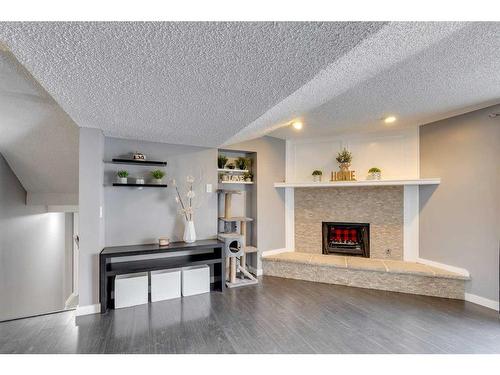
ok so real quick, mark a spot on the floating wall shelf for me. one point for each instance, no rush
(227, 170)
(141, 185)
(139, 162)
(237, 182)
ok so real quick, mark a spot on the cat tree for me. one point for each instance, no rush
(234, 237)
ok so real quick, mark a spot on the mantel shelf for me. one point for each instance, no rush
(421, 181)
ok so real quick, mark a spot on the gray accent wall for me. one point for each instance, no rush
(270, 222)
(35, 253)
(460, 218)
(136, 216)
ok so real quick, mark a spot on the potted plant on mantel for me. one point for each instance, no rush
(122, 177)
(317, 175)
(344, 159)
(158, 175)
(374, 173)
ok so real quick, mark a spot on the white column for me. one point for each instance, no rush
(410, 224)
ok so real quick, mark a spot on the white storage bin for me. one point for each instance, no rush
(195, 280)
(165, 284)
(131, 289)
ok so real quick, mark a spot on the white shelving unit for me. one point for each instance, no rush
(237, 182)
(228, 170)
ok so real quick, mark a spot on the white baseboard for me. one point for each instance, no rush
(478, 300)
(460, 271)
(88, 309)
(275, 251)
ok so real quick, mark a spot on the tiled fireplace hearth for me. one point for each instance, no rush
(380, 208)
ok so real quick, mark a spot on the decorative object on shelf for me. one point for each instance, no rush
(374, 173)
(248, 176)
(163, 241)
(317, 175)
(221, 161)
(230, 166)
(225, 177)
(242, 163)
(186, 209)
(344, 159)
(139, 156)
(158, 175)
(139, 181)
(122, 177)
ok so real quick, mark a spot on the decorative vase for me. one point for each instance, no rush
(344, 167)
(139, 181)
(122, 180)
(157, 181)
(189, 232)
(316, 178)
(374, 175)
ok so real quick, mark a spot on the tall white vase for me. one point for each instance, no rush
(189, 232)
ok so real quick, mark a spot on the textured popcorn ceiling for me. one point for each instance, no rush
(187, 83)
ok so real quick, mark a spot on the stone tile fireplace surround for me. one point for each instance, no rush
(381, 207)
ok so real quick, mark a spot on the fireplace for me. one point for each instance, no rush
(346, 239)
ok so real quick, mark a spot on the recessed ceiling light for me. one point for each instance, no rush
(297, 125)
(389, 119)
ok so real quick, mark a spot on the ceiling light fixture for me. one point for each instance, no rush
(297, 125)
(389, 119)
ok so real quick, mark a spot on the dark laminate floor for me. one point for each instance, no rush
(277, 316)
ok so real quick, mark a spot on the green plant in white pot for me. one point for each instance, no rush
(121, 177)
(158, 176)
(317, 174)
(374, 173)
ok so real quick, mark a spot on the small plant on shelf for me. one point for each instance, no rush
(122, 177)
(248, 176)
(221, 161)
(374, 173)
(242, 163)
(317, 175)
(158, 175)
(344, 158)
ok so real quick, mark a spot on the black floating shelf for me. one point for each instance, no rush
(142, 185)
(139, 162)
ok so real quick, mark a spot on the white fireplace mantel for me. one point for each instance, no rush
(421, 181)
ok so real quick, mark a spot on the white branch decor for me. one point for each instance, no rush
(186, 208)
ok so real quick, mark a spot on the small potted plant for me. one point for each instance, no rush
(230, 166)
(221, 161)
(248, 176)
(122, 177)
(374, 173)
(242, 163)
(158, 175)
(317, 175)
(344, 158)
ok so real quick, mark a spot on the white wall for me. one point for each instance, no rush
(35, 254)
(395, 152)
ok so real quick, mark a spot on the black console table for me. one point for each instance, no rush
(200, 252)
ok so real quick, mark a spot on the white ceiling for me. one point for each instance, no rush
(435, 72)
(38, 140)
(186, 83)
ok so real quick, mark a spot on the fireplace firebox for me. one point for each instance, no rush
(346, 239)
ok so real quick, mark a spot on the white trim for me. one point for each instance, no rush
(460, 271)
(478, 300)
(275, 251)
(309, 184)
(290, 219)
(88, 309)
(410, 223)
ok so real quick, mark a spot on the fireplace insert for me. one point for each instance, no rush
(346, 239)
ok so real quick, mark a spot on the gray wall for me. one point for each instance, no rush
(142, 216)
(34, 253)
(91, 225)
(270, 221)
(460, 218)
